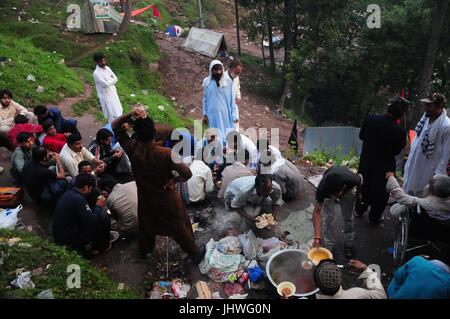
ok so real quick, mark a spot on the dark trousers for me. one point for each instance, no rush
(99, 240)
(374, 194)
(185, 240)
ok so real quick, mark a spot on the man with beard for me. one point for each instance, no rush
(430, 150)
(219, 106)
(382, 140)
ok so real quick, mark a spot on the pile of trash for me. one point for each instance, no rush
(239, 259)
(175, 289)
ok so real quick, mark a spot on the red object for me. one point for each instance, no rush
(412, 136)
(19, 128)
(142, 10)
(156, 13)
(55, 143)
(244, 277)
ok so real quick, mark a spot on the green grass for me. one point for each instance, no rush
(323, 156)
(33, 252)
(37, 49)
(129, 57)
(46, 67)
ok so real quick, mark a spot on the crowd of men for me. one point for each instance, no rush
(137, 176)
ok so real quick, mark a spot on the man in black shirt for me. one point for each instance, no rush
(335, 188)
(383, 139)
(76, 225)
(44, 183)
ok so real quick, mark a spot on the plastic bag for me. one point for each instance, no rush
(45, 294)
(23, 280)
(8, 217)
(249, 244)
(268, 247)
(218, 265)
(256, 274)
(229, 245)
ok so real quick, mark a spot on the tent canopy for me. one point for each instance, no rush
(205, 42)
(345, 139)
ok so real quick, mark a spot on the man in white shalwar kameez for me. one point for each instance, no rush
(430, 150)
(234, 72)
(105, 82)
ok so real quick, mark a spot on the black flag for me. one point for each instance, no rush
(293, 140)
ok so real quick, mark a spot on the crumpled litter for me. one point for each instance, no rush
(218, 265)
(23, 281)
(45, 294)
(230, 245)
(233, 289)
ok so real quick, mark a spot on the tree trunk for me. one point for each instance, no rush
(287, 85)
(288, 36)
(122, 5)
(237, 27)
(433, 47)
(262, 50)
(289, 14)
(269, 34)
(127, 17)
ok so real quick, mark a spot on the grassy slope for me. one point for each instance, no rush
(33, 252)
(31, 47)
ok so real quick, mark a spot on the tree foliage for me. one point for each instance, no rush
(339, 67)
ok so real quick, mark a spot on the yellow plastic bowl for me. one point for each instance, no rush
(286, 285)
(318, 254)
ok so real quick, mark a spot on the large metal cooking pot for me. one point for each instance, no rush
(286, 265)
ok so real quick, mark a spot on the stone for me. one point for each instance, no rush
(153, 67)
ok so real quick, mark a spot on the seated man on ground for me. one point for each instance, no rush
(248, 191)
(435, 221)
(212, 148)
(76, 225)
(86, 167)
(122, 202)
(328, 278)
(42, 181)
(53, 113)
(201, 183)
(53, 140)
(8, 111)
(336, 188)
(283, 171)
(22, 154)
(181, 142)
(114, 158)
(238, 169)
(22, 125)
(420, 278)
(74, 152)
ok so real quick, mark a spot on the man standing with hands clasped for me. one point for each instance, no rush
(105, 82)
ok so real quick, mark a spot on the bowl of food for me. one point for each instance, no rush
(319, 253)
(286, 289)
(286, 266)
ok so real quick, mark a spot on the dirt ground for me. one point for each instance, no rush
(183, 73)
